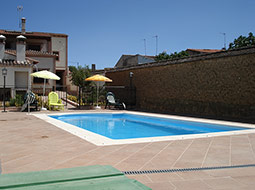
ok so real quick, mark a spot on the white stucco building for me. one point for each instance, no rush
(48, 51)
(19, 67)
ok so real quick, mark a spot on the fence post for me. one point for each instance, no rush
(79, 97)
(66, 95)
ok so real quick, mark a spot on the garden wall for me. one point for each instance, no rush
(218, 85)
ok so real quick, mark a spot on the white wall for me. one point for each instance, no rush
(60, 44)
(142, 60)
(20, 49)
(2, 49)
(46, 63)
(10, 78)
(44, 46)
(21, 79)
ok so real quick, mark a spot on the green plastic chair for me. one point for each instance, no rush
(54, 102)
(111, 101)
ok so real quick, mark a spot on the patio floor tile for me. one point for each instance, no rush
(30, 144)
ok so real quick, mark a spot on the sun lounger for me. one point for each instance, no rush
(30, 99)
(111, 101)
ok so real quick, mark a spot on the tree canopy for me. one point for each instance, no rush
(72, 68)
(243, 41)
(175, 55)
(78, 76)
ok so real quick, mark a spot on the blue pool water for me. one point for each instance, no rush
(126, 126)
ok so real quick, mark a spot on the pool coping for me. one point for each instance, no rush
(100, 140)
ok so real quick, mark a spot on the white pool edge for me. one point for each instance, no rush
(100, 140)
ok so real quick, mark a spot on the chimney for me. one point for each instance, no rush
(21, 48)
(23, 24)
(93, 69)
(2, 46)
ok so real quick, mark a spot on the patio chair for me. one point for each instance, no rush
(54, 101)
(30, 99)
(111, 101)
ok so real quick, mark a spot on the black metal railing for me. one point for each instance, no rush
(21, 90)
(88, 96)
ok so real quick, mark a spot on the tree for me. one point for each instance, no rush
(243, 41)
(72, 68)
(78, 76)
(164, 56)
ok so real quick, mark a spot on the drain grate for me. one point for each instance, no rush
(184, 169)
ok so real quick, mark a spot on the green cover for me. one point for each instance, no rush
(90, 177)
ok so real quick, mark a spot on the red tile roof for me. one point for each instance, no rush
(33, 53)
(41, 34)
(206, 50)
(9, 62)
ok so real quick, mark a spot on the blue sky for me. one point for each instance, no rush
(100, 31)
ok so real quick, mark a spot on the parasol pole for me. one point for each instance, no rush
(44, 82)
(97, 83)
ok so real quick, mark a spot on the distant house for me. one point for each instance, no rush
(201, 51)
(132, 60)
(43, 47)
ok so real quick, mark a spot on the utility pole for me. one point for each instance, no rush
(19, 9)
(224, 34)
(76, 62)
(144, 41)
(156, 43)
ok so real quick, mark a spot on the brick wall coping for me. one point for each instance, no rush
(204, 56)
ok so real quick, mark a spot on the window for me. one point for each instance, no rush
(21, 79)
(8, 45)
(57, 55)
(34, 47)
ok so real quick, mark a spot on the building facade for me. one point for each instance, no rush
(18, 68)
(132, 60)
(41, 51)
(40, 44)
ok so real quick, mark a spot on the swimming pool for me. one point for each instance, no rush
(125, 127)
(121, 126)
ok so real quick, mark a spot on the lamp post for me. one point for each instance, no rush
(4, 73)
(130, 77)
(130, 88)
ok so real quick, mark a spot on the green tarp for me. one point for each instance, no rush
(90, 178)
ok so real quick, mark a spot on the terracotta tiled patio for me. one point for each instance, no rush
(30, 144)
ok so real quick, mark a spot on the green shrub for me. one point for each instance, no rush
(18, 100)
(72, 98)
(39, 100)
(7, 104)
(12, 102)
(101, 100)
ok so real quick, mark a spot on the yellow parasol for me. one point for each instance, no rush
(97, 79)
(45, 75)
